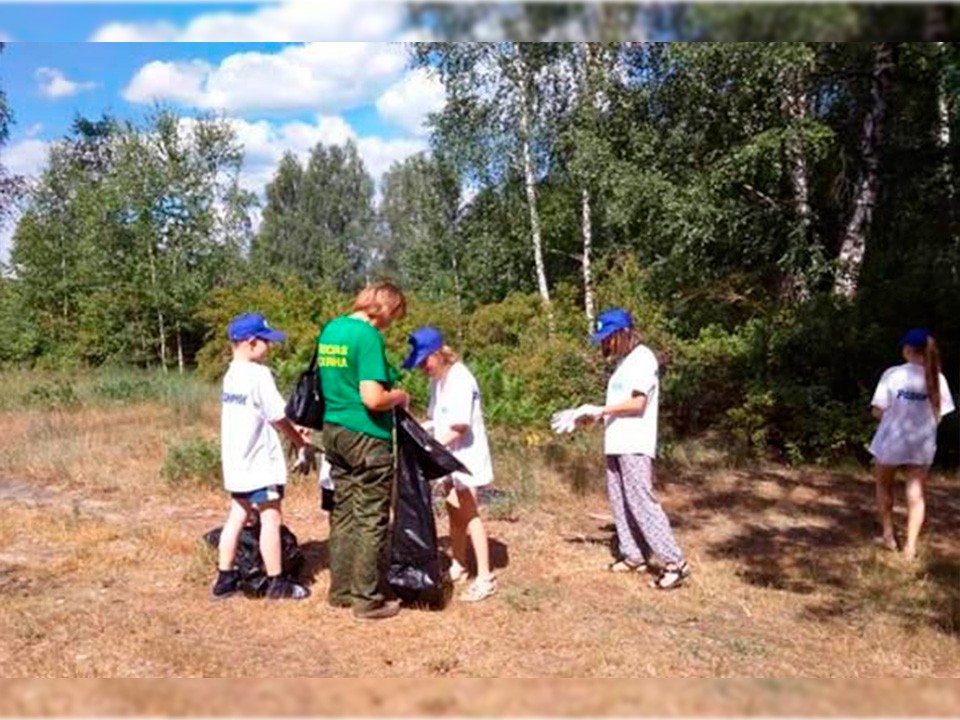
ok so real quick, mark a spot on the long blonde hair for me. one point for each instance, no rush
(931, 367)
(381, 301)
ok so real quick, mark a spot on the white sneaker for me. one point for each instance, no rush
(480, 589)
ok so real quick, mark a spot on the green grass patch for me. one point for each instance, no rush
(194, 461)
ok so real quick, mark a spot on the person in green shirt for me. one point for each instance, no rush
(357, 437)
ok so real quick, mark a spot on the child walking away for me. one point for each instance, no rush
(254, 468)
(910, 401)
(456, 418)
(630, 444)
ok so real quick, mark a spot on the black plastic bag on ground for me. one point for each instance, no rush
(249, 563)
(414, 572)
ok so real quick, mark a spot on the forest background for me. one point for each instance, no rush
(775, 215)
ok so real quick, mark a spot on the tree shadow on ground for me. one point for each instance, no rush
(810, 531)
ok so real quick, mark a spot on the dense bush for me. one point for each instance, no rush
(794, 383)
(194, 460)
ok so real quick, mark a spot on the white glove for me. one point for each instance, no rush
(595, 412)
(326, 475)
(565, 421)
(306, 459)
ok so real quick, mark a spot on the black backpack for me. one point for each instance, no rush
(249, 563)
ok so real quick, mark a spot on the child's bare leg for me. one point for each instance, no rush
(458, 529)
(916, 509)
(476, 530)
(884, 477)
(230, 534)
(270, 521)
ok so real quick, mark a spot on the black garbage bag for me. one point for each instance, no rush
(414, 572)
(253, 575)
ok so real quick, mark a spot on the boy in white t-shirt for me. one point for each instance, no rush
(456, 418)
(254, 468)
(630, 445)
(909, 401)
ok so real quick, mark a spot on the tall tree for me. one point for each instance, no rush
(420, 207)
(319, 221)
(492, 123)
(11, 187)
(854, 245)
(127, 230)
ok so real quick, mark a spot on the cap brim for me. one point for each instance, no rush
(414, 359)
(272, 336)
(601, 335)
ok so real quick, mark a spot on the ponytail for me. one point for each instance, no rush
(931, 364)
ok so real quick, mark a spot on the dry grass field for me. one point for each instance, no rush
(103, 575)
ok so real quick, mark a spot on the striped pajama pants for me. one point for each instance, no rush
(643, 530)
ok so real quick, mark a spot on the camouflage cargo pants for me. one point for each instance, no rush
(362, 470)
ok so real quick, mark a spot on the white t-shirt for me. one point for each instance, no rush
(908, 430)
(250, 447)
(456, 401)
(638, 372)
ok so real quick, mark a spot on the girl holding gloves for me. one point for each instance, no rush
(630, 445)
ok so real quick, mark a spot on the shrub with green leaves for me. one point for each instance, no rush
(52, 394)
(195, 461)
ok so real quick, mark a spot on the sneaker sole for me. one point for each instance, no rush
(493, 591)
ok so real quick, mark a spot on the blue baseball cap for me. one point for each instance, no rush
(916, 338)
(609, 322)
(253, 325)
(424, 342)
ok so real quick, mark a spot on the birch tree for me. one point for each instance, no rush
(854, 244)
(491, 125)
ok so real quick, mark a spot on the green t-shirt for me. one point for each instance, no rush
(351, 351)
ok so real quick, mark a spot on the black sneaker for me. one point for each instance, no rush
(227, 585)
(280, 588)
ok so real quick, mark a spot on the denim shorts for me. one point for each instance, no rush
(259, 497)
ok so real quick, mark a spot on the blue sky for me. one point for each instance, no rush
(73, 22)
(279, 96)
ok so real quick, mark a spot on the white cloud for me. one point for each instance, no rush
(328, 77)
(27, 157)
(136, 32)
(54, 84)
(379, 154)
(265, 143)
(6, 240)
(5, 37)
(291, 21)
(408, 101)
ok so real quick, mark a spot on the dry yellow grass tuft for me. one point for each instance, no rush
(102, 574)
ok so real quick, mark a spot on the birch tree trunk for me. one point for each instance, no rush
(180, 362)
(854, 246)
(794, 107)
(943, 121)
(530, 181)
(161, 325)
(587, 62)
(587, 269)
